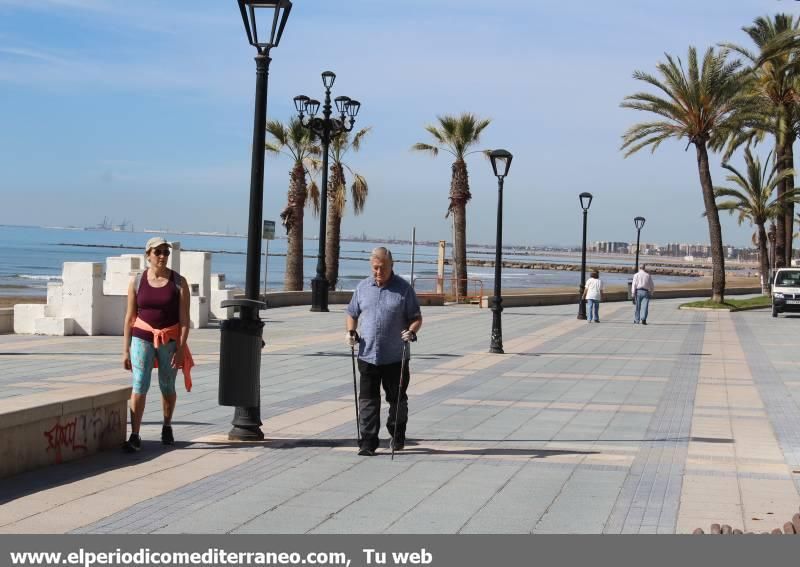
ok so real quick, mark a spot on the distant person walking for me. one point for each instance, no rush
(593, 294)
(155, 333)
(642, 290)
(388, 312)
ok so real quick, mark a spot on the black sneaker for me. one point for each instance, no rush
(366, 452)
(398, 444)
(133, 444)
(166, 435)
(644, 322)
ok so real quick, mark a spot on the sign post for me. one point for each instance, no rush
(269, 234)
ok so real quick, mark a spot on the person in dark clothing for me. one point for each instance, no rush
(387, 310)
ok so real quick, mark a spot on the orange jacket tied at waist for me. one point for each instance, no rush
(163, 336)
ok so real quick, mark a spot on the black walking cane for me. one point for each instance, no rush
(399, 393)
(355, 388)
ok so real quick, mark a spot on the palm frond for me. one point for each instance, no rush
(359, 192)
(420, 147)
(313, 196)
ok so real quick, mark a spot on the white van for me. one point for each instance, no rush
(786, 291)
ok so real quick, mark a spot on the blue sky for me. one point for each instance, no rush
(143, 110)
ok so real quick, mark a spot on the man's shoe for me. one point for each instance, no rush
(133, 444)
(366, 452)
(398, 444)
(644, 322)
(597, 320)
(166, 435)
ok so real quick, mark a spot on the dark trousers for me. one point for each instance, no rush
(369, 401)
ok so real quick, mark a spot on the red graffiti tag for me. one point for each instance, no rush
(63, 437)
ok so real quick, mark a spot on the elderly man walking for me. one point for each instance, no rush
(642, 289)
(389, 315)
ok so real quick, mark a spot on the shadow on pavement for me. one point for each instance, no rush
(30, 482)
(47, 353)
(426, 356)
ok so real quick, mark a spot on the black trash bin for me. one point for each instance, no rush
(240, 362)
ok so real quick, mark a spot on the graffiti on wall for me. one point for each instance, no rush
(83, 431)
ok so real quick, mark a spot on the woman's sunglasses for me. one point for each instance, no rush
(161, 252)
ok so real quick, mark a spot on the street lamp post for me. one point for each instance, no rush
(241, 338)
(586, 201)
(639, 223)
(501, 163)
(326, 129)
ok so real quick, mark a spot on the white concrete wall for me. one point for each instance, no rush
(83, 288)
(87, 303)
(119, 270)
(196, 268)
(219, 294)
(174, 262)
(55, 299)
(25, 316)
(112, 314)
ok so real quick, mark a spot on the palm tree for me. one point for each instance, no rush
(456, 135)
(337, 198)
(298, 143)
(774, 84)
(752, 197)
(699, 106)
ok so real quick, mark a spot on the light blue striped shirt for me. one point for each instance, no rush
(383, 313)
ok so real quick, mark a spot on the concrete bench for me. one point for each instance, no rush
(52, 427)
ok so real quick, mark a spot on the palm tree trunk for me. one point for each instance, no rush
(334, 224)
(459, 196)
(788, 214)
(763, 258)
(714, 227)
(292, 219)
(780, 224)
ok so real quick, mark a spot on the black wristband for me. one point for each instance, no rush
(413, 336)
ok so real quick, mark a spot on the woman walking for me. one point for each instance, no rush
(593, 294)
(155, 333)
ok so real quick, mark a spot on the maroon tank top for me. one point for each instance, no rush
(157, 306)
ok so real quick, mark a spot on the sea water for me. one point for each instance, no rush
(32, 256)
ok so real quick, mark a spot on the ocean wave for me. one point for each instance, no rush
(37, 277)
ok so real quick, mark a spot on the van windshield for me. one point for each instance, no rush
(788, 279)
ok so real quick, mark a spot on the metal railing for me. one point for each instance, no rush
(446, 286)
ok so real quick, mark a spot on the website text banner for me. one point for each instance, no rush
(389, 550)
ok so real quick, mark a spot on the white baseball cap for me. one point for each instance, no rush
(155, 242)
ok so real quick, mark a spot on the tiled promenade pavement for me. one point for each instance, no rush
(609, 427)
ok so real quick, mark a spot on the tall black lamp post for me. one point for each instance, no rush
(241, 338)
(639, 223)
(326, 129)
(586, 201)
(501, 163)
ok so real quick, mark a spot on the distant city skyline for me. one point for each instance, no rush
(143, 111)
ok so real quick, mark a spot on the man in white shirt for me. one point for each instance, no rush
(642, 290)
(593, 294)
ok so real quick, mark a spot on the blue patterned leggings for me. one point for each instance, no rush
(143, 356)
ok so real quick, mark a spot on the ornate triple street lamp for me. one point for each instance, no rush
(586, 201)
(241, 338)
(326, 129)
(639, 223)
(501, 163)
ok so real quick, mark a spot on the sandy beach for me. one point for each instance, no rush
(12, 300)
